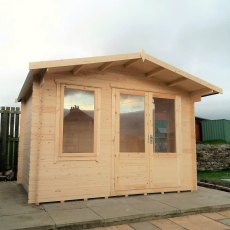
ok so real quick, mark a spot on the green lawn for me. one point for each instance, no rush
(214, 175)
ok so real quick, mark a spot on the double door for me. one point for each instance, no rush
(144, 130)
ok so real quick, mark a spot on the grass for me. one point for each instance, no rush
(215, 176)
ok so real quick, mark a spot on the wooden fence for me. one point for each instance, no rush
(9, 137)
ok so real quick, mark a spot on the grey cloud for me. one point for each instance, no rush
(192, 35)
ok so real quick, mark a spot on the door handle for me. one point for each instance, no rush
(150, 138)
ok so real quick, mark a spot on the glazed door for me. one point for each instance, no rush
(131, 140)
(144, 141)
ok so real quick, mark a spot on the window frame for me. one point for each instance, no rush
(171, 97)
(60, 121)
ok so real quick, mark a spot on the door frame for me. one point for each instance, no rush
(148, 131)
(115, 132)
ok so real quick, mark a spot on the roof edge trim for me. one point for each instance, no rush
(183, 73)
(83, 61)
(36, 67)
(26, 86)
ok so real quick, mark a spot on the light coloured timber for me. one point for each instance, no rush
(36, 67)
(21, 142)
(113, 140)
(183, 73)
(49, 176)
(83, 61)
(177, 82)
(193, 139)
(35, 165)
(154, 72)
(77, 69)
(201, 92)
(178, 136)
(130, 63)
(105, 66)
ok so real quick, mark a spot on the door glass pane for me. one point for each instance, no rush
(164, 120)
(78, 124)
(132, 123)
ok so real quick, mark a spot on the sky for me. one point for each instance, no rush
(193, 35)
(84, 99)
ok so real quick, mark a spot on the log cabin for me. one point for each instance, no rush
(107, 126)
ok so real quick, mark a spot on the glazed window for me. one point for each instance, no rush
(132, 123)
(79, 121)
(164, 122)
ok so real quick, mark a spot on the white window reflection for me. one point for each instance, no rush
(132, 123)
(78, 123)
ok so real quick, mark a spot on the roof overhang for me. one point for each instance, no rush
(151, 67)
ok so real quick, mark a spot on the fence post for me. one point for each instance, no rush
(4, 134)
(16, 135)
(11, 138)
(1, 136)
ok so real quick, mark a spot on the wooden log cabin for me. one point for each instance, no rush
(107, 126)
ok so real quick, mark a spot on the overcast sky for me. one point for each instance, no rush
(193, 35)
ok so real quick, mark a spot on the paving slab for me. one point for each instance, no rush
(16, 209)
(197, 222)
(39, 220)
(225, 213)
(9, 187)
(103, 202)
(144, 226)
(65, 205)
(145, 205)
(225, 221)
(73, 216)
(214, 215)
(118, 211)
(166, 224)
(203, 198)
(118, 227)
(15, 213)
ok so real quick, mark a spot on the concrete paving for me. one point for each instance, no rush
(210, 221)
(15, 213)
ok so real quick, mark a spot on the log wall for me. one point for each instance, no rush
(57, 179)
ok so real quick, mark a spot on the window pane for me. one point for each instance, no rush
(78, 124)
(132, 123)
(164, 125)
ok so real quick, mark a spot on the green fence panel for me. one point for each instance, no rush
(9, 131)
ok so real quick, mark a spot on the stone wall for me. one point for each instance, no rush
(213, 157)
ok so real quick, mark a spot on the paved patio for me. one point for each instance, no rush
(15, 213)
(211, 221)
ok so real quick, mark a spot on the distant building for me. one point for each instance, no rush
(198, 121)
(216, 130)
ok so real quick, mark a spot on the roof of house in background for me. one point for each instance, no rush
(148, 66)
(201, 119)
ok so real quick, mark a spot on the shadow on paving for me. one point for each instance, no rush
(15, 213)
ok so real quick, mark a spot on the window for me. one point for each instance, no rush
(79, 121)
(132, 123)
(164, 123)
